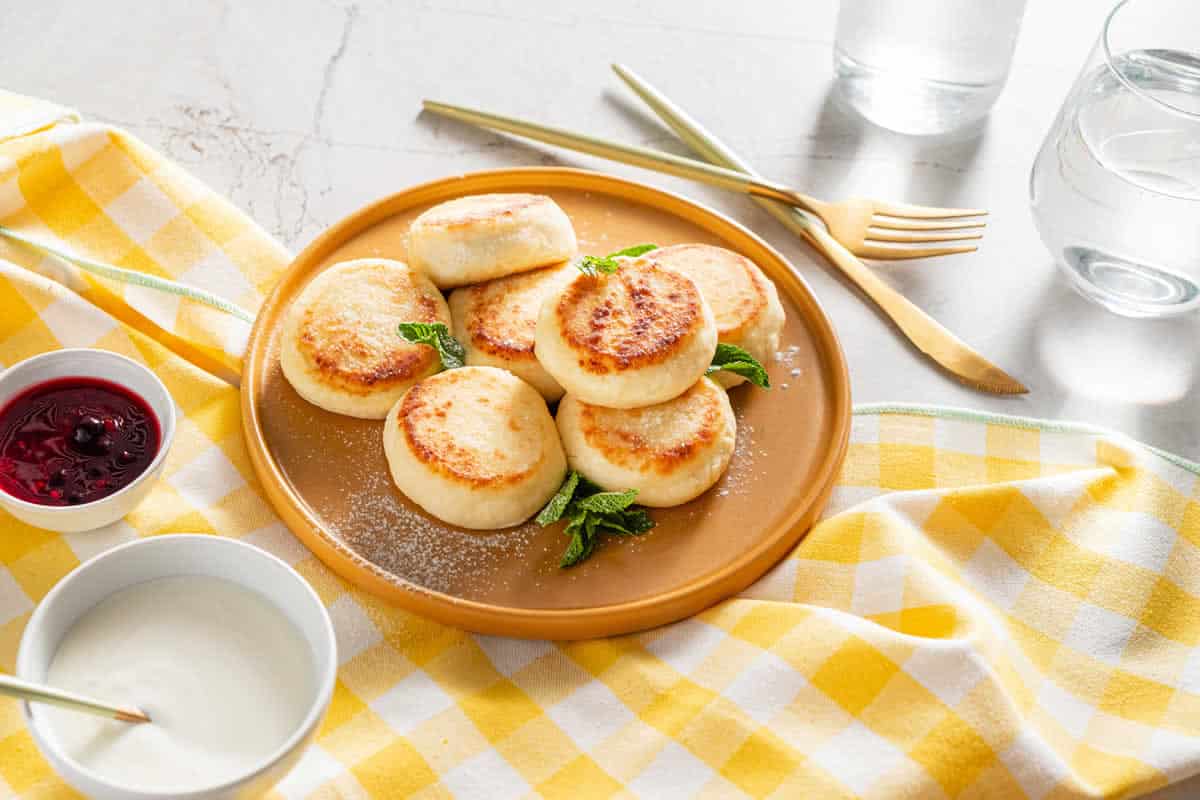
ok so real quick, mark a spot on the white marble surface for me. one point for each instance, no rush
(303, 110)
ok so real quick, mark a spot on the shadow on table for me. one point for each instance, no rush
(930, 170)
(936, 165)
(1144, 370)
(654, 133)
(470, 138)
(651, 130)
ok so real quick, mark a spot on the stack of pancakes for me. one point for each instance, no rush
(623, 355)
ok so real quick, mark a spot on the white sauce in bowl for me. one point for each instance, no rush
(223, 674)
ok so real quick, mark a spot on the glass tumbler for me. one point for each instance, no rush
(1115, 188)
(924, 66)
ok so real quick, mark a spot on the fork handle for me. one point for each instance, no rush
(770, 190)
(634, 155)
(914, 323)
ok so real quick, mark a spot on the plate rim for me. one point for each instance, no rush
(558, 623)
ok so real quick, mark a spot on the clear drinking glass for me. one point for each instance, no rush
(1116, 186)
(924, 66)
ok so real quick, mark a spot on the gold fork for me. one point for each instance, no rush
(867, 228)
(926, 334)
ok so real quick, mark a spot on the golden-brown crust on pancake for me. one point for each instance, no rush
(742, 302)
(491, 323)
(621, 435)
(348, 340)
(427, 405)
(474, 209)
(633, 318)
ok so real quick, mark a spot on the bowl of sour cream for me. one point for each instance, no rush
(226, 647)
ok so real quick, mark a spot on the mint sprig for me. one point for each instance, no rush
(607, 265)
(557, 506)
(634, 251)
(437, 336)
(731, 358)
(590, 511)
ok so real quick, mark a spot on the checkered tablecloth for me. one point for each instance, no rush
(993, 608)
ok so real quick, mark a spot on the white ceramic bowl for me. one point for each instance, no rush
(85, 362)
(166, 556)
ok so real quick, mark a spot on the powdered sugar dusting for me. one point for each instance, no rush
(381, 528)
(787, 356)
(739, 477)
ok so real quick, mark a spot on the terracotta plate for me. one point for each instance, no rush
(327, 476)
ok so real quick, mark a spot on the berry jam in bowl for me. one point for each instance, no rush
(83, 435)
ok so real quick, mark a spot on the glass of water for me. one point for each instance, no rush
(924, 66)
(1116, 187)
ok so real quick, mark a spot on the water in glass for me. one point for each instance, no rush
(1116, 186)
(924, 66)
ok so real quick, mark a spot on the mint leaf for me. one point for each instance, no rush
(597, 265)
(633, 252)
(558, 504)
(437, 336)
(607, 265)
(419, 332)
(586, 487)
(731, 358)
(607, 502)
(750, 370)
(579, 548)
(637, 521)
(628, 523)
(590, 511)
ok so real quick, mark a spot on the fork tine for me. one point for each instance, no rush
(884, 252)
(921, 236)
(924, 224)
(905, 210)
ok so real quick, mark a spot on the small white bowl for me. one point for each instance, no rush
(85, 362)
(167, 556)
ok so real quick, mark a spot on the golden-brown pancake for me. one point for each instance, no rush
(475, 447)
(634, 338)
(484, 236)
(744, 301)
(495, 323)
(670, 452)
(340, 348)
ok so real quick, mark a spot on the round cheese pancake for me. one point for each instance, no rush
(341, 349)
(484, 236)
(671, 452)
(634, 338)
(495, 323)
(743, 300)
(475, 447)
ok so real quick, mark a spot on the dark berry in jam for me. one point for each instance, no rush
(74, 440)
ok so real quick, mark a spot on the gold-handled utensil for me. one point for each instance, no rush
(37, 693)
(868, 228)
(922, 330)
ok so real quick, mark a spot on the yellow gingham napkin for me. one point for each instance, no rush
(993, 608)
